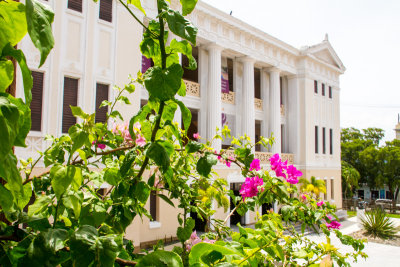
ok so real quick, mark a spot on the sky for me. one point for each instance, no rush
(364, 33)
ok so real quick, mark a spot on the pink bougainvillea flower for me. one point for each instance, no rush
(319, 204)
(140, 141)
(293, 174)
(196, 136)
(99, 145)
(255, 165)
(123, 130)
(333, 225)
(303, 197)
(228, 163)
(278, 166)
(251, 187)
(195, 239)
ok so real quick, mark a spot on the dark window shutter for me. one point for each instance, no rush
(75, 5)
(106, 10)
(101, 95)
(153, 205)
(316, 87)
(37, 100)
(316, 139)
(330, 141)
(70, 99)
(330, 91)
(323, 141)
(323, 89)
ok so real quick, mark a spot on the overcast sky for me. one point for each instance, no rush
(364, 33)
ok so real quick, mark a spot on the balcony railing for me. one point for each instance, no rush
(288, 157)
(192, 88)
(265, 156)
(282, 110)
(258, 104)
(228, 98)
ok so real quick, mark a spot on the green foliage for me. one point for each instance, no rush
(161, 258)
(377, 224)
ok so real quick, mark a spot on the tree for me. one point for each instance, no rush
(313, 186)
(350, 177)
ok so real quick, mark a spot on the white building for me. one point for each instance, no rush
(272, 87)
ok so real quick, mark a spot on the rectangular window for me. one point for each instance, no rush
(331, 141)
(316, 87)
(323, 89)
(106, 10)
(332, 188)
(230, 74)
(190, 75)
(101, 95)
(37, 101)
(316, 139)
(153, 206)
(330, 91)
(281, 90)
(70, 99)
(323, 141)
(257, 83)
(75, 5)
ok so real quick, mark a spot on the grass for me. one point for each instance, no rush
(352, 213)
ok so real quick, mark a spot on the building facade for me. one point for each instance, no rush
(253, 82)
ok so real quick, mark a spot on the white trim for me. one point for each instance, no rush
(154, 225)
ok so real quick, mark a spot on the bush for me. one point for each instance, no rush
(377, 224)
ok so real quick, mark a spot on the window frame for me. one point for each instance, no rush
(316, 140)
(315, 87)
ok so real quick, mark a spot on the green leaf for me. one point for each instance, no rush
(169, 111)
(163, 84)
(181, 26)
(183, 233)
(205, 164)
(151, 180)
(159, 155)
(182, 89)
(160, 258)
(186, 114)
(9, 117)
(77, 180)
(78, 136)
(193, 146)
(40, 205)
(73, 200)
(39, 18)
(188, 6)
(142, 191)
(140, 116)
(22, 197)
(127, 162)
(61, 178)
(24, 120)
(212, 257)
(10, 173)
(88, 249)
(185, 48)
(200, 249)
(78, 112)
(112, 176)
(6, 74)
(6, 199)
(12, 23)
(137, 4)
(166, 199)
(27, 79)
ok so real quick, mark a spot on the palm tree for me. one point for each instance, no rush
(313, 186)
(350, 177)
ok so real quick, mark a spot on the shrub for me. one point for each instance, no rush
(377, 224)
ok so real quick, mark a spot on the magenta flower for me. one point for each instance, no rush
(228, 163)
(99, 145)
(195, 239)
(140, 141)
(255, 165)
(196, 136)
(251, 187)
(319, 204)
(333, 225)
(123, 130)
(278, 166)
(303, 197)
(293, 174)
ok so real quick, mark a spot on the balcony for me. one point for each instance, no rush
(282, 110)
(258, 104)
(228, 98)
(265, 156)
(288, 157)
(192, 88)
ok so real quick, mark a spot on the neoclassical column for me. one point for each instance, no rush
(248, 121)
(214, 93)
(275, 109)
(265, 97)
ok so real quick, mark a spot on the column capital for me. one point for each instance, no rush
(292, 76)
(273, 69)
(248, 59)
(213, 46)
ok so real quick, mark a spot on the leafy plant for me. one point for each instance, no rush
(377, 224)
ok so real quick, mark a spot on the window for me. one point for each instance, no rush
(283, 138)
(106, 10)
(101, 95)
(323, 141)
(323, 89)
(330, 92)
(331, 141)
(190, 75)
(37, 101)
(316, 87)
(153, 206)
(257, 83)
(75, 5)
(230, 74)
(360, 194)
(332, 188)
(316, 139)
(281, 90)
(70, 99)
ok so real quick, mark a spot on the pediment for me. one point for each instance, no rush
(325, 52)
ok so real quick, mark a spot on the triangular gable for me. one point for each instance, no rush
(325, 52)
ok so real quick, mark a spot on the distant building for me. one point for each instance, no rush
(397, 128)
(246, 79)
